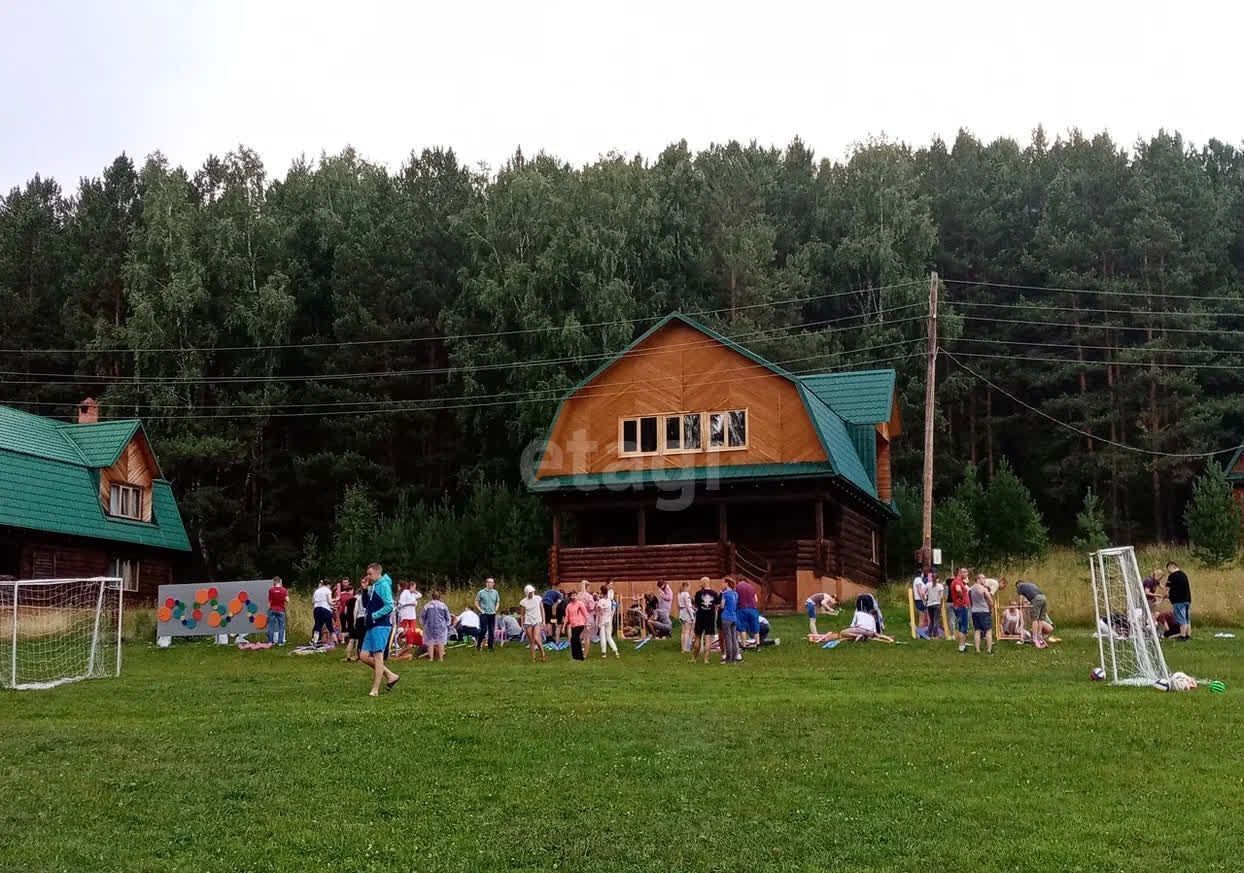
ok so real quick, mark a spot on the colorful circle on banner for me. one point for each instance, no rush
(200, 596)
(261, 621)
(251, 608)
(170, 603)
(164, 614)
(213, 619)
(243, 596)
(190, 624)
(235, 606)
(197, 615)
(212, 592)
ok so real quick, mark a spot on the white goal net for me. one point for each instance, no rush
(1131, 653)
(54, 631)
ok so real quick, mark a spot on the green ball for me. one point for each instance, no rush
(1217, 686)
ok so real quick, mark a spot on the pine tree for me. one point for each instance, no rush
(1011, 524)
(955, 533)
(1091, 525)
(1213, 518)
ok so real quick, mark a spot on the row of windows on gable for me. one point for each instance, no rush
(682, 432)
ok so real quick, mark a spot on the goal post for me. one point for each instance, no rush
(54, 631)
(1127, 637)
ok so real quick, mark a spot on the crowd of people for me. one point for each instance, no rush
(377, 629)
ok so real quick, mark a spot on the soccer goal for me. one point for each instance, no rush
(1127, 637)
(54, 631)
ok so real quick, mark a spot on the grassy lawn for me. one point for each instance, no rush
(865, 757)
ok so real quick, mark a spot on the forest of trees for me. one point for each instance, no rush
(405, 333)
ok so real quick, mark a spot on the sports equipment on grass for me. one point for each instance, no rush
(1098, 674)
(1217, 687)
(55, 631)
(1130, 650)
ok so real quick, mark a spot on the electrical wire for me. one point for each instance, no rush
(457, 337)
(1077, 362)
(1146, 294)
(1106, 326)
(1081, 431)
(87, 379)
(534, 395)
(1096, 311)
(553, 395)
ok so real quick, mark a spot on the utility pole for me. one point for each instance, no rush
(930, 408)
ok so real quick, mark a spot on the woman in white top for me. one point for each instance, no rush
(864, 627)
(533, 622)
(605, 608)
(686, 616)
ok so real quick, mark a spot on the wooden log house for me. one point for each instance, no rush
(85, 499)
(687, 455)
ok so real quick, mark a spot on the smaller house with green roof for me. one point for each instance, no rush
(687, 455)
(83, 499)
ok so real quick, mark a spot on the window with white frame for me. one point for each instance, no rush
(727, 430)
(125, 501)
(682, 432)
(126, 570)
(639, 436)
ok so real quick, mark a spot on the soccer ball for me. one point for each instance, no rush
(1162, 684)
(1098, 674)
(1182, 682)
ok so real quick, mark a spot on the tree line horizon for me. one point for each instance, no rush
(405, 332)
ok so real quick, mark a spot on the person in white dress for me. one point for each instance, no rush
(533, 622)
(605, 608)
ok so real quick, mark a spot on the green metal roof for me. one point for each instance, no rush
(101, 443)
(860, 396)
(683, 474)
(49, 481)
(840, 450)
(1235, 458)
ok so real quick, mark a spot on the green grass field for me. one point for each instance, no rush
(866, 757)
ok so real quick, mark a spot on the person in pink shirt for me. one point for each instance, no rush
(586, 598)
(576, 620)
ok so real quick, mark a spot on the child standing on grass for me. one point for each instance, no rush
(576, 620)
(322, 610)
(436, 620)
(589, 609)
(959, 604)
(934, 592)
(533, 621)
(706, 600)
(981, 600)
(729, 622)
(605, 607)
(408, 609)
(379, 627)
(686, 616)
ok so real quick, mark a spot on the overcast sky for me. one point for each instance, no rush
(81, 82)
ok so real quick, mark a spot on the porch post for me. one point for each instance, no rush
(557, 528)
(723, 532)
(641, 526)
(818, 517)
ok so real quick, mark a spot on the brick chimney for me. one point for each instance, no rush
(88, 411)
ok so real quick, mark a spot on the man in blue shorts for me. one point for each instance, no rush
(748, 613)
(378, 624)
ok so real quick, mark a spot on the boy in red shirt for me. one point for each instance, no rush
(960, 602)
(278, 596)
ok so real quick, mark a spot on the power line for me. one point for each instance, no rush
(70, 379)
(455, 337)
(534, 395)
(1076, 361)
(1105, 326)
(553, 394)
(1149, 350)
(1081, 431)
(1096, 311)
(1146, 294)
